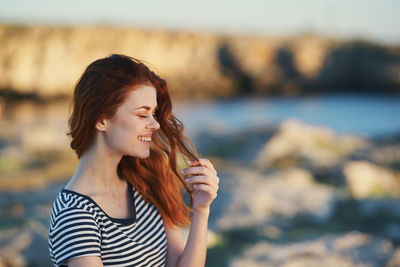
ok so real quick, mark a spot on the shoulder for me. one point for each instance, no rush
(74, 229)
(72, 210)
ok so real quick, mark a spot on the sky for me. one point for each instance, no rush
(376, 20)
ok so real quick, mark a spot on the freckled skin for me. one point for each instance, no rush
(124, 128)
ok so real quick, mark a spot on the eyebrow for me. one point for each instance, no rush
(146, 107)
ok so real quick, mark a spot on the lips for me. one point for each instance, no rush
(145, 138)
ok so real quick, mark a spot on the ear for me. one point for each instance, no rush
(101, 124)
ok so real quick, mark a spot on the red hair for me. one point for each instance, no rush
(101, 89)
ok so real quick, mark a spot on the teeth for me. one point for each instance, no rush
(142, 138)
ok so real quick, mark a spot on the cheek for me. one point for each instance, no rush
(125, 130)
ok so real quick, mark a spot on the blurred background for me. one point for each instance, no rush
(296, 103)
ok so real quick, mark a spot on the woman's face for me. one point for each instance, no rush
(130, 130)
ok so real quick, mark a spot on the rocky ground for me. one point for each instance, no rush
(283, 218)
(24, 226)
(298, 195)
(308, 197)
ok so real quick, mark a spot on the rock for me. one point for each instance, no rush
(394, 261)
(2, 107)
(368, 180)
(298, 177)
(24, 231)
(259, 199)
(34, 55)
(309, 56)
(27, 247)
(241, 145)
(315, 148)
(10, 255)
(349, 249)
(308, 145)
(387, 154)
(46, 61)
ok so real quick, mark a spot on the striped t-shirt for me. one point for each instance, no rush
(79, 227)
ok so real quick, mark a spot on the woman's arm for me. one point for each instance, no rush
(205, 186)
(92, 261)
(194, 253)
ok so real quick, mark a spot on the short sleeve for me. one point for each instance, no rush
(73, 233)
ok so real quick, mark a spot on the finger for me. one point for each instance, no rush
(215, 187)
(204, 162)
(213, 180)
(197, 179)
(202, 170)
(208, 164)
(190, 188)
(206, 188)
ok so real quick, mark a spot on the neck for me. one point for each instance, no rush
(97, 171)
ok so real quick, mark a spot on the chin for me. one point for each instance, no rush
(145, 156)
(142, 155)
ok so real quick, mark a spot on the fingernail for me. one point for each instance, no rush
(183, 171)
(188, 180)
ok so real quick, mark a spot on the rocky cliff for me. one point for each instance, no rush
(46, 61)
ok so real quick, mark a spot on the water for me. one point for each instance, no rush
(347, 114)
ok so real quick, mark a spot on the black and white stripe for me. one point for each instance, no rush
(79, 227)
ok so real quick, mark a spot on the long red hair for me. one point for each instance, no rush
(101, 89)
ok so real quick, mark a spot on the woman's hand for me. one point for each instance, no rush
(202, 178)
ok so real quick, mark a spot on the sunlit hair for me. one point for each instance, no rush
(101, 89)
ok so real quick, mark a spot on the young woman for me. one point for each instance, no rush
(124, 203)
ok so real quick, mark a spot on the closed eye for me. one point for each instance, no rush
(144, 116)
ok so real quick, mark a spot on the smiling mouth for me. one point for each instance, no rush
(145, 139)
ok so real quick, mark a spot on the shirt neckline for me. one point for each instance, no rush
(117, 220)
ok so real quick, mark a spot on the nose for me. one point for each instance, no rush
(153, 124)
